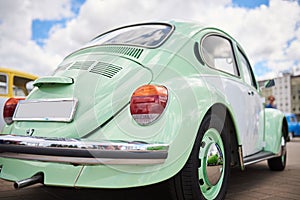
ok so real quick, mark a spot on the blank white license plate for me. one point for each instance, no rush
(46, 110)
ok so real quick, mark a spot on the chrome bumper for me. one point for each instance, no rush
(81, 151)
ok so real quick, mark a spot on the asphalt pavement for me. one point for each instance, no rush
(256, 182)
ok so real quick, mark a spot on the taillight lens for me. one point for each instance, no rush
(148, 103)
(9, 109)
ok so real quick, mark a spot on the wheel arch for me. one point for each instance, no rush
(224, 112)
(285, 127)
(185, 182)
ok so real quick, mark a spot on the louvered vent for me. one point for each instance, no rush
(65, 66)
(62, 67)
(128, 51)
(82, 65)
(105, 69)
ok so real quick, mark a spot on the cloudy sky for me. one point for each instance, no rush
(36, 35)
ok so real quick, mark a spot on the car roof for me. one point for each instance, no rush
(18, 73)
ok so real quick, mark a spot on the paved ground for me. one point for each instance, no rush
(257, 182)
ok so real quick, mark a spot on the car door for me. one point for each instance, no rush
(253, 139)
(240, 89)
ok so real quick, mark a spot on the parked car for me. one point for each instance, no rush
(293, 125)
(171, 102)
(14, 85)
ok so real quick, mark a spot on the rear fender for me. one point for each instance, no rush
(274, 121)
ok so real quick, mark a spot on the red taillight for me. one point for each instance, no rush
(9, 109)
(148, 103)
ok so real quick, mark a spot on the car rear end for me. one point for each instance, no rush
(100, 120)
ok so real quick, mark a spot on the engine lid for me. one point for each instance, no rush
(99, 91)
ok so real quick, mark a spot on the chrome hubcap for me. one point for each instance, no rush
(214, 164)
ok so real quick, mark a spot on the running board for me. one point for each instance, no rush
(261, 156)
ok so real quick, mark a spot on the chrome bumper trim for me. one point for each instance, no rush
(82, 161)
(81, 151)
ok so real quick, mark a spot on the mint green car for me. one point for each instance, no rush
(168, 102)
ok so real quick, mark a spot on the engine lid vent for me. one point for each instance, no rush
(105, 69)
(128, 51)
(82, 65)
(62, 67)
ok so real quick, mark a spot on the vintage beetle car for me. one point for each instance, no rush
(293, 125)
(169, 102)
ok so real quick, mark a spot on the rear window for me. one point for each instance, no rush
(148, 35)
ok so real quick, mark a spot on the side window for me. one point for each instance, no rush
(20, 86)
(247, 71)
(3, 84)
(218, 54)
(18, 91)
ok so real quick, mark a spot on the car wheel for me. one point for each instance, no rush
(206, 173)
(279, 163)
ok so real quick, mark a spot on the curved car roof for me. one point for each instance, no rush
(18, 73)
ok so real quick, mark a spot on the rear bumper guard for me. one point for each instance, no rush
(81, 151)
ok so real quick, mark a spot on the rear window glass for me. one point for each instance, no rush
(148, 35)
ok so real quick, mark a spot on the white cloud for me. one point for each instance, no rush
(263, 31)
(293, 51)
(16, 48)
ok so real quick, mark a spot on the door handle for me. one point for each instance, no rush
(250, 93)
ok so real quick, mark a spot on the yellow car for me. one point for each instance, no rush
(14, 85)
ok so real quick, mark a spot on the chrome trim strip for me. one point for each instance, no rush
(82, 161)
(260, 159)
(267, 156)
(71, 143)
(83, 151)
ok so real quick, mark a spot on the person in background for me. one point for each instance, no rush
(271, 103)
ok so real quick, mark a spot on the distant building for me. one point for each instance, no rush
(282, 92)
(286, 92)
(295, 94)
